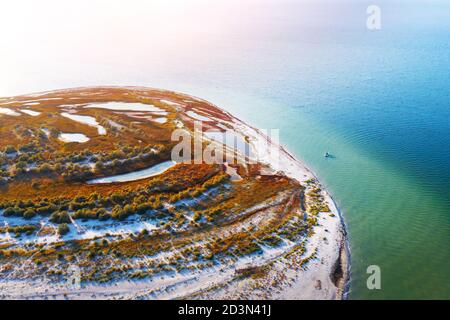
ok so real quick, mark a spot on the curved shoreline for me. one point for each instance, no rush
(342, 257)
(345, 250)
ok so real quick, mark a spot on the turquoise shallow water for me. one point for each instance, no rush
(379, 101)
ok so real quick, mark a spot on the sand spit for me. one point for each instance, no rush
(320, 271)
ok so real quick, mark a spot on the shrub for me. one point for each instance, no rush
(60, 217)
(45, 168)
(197, 216)
(13, 211)
(63, 229)
(120, 213)
(99, 166)
(29, 213)
(46, 209)
(54, 133)
(21, 165)
(103, 214)
(10, 149)
(85, 214)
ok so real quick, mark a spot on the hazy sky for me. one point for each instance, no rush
(51, 44)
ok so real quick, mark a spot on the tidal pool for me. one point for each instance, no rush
(73, 137)
(136, 175)
(124, 106)
(90, 121)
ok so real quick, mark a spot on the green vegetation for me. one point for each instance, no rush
(18, 230)
(118, 204)
(63, 229)
(33, 160)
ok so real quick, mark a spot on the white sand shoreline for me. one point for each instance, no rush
(328, 254)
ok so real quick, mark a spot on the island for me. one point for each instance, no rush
(104, 196)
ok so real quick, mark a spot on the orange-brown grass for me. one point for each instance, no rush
(180, 177)
(223, 207)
